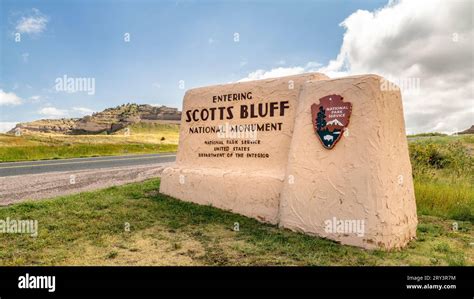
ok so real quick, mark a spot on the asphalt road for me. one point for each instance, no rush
(44, 166)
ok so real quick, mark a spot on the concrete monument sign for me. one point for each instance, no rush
(240, 167)
(283, 151)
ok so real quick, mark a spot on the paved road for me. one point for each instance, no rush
(44, 166)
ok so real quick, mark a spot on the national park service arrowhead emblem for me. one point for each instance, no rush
(330, 119)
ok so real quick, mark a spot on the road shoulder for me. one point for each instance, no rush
(15, 189)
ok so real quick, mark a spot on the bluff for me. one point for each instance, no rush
(110, 120)
(468, 131)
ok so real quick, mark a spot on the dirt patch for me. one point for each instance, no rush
(224, 245)
(153, 246)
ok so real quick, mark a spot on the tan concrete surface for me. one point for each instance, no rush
(366, 176)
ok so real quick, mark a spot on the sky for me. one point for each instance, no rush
(151, 52)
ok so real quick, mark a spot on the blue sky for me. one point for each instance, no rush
(425, 49)
(169, 41)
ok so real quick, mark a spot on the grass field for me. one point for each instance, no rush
(91, 229)
(142, 139)
(443, 170)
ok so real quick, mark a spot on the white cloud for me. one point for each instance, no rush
(33, 23)
(281, 72)
(52, 112)
(9, 98)
(412, 40)
(35, 99)
(6, 126)
(82, 111)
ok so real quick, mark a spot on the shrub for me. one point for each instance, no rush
(430, 155)
(443, 173)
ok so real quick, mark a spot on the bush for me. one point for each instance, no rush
(443, 172)
(428, 155)
(427, 135)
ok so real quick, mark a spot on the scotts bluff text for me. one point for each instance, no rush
(244, 111)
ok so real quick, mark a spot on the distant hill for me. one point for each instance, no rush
(468, 131)
(108, 121)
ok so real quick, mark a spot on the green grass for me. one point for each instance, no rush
(41, 152)
(443, 170)
(91, 229)
(151, 128)
(441, 138)
(445, 200)
(143, 139)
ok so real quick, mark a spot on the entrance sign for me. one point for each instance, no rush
(250, 148)
(233, 145)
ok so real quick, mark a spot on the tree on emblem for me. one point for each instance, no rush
(321, 119)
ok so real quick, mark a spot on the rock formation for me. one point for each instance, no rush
(110, 120)
(468, 131)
